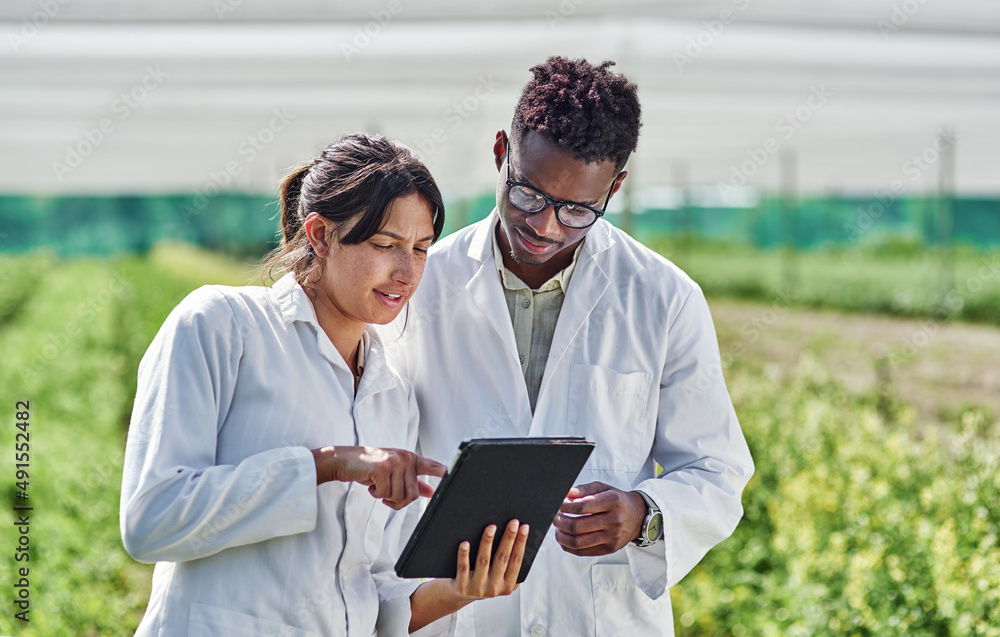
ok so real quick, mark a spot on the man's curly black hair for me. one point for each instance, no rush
(587, 110)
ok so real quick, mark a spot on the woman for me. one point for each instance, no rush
(267, 427)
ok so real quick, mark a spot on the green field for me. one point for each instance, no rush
(72, 334)
(894, 276)
(865, 517)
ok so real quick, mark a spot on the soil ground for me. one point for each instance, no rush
(938, 368)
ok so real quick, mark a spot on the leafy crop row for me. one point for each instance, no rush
(856, 522)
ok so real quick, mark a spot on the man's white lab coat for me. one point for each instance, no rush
(634, 367)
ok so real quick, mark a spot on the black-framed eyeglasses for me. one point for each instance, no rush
(570, 214)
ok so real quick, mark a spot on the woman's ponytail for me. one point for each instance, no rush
(290, 192)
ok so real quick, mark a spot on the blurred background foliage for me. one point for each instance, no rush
(866, 516)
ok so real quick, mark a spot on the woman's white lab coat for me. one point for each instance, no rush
(634, 367)
(219, 485)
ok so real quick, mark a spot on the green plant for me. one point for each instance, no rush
(855, 524)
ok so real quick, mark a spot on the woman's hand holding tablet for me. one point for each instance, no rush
(490, 578)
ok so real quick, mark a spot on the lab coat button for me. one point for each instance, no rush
(538, 630)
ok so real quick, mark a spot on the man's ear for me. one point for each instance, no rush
(500, 147)
(618, 182)
(316, 231)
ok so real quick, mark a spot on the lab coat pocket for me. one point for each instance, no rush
(609, 408)
(212, 621)
(622, 609)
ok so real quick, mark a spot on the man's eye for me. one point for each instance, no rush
(381, 247)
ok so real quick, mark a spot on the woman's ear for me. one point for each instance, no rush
(316, 231)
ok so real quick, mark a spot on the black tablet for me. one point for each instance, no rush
(492, 481)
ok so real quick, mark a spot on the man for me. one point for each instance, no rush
(545, 320)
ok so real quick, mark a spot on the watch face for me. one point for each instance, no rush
(655, 528)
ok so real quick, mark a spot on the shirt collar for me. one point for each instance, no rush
(512, 282)
(376, 375)
(365, 344)
(294, 304)
(293, 301)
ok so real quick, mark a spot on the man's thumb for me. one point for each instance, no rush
(590, 488)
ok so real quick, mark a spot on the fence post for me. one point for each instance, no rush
(789, 206)
(945, 216)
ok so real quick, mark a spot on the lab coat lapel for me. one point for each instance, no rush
(586, 287)
(485, 288)
(376, 377)
(295, 306)
(486, 291)
(372, 427)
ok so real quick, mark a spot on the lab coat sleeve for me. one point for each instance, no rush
(177, 504)
(393, 591)
(699, 443)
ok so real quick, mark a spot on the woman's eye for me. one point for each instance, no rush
(420, 250)
(381, 247)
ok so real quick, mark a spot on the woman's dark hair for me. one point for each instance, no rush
(358, 176)
(587, 110)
